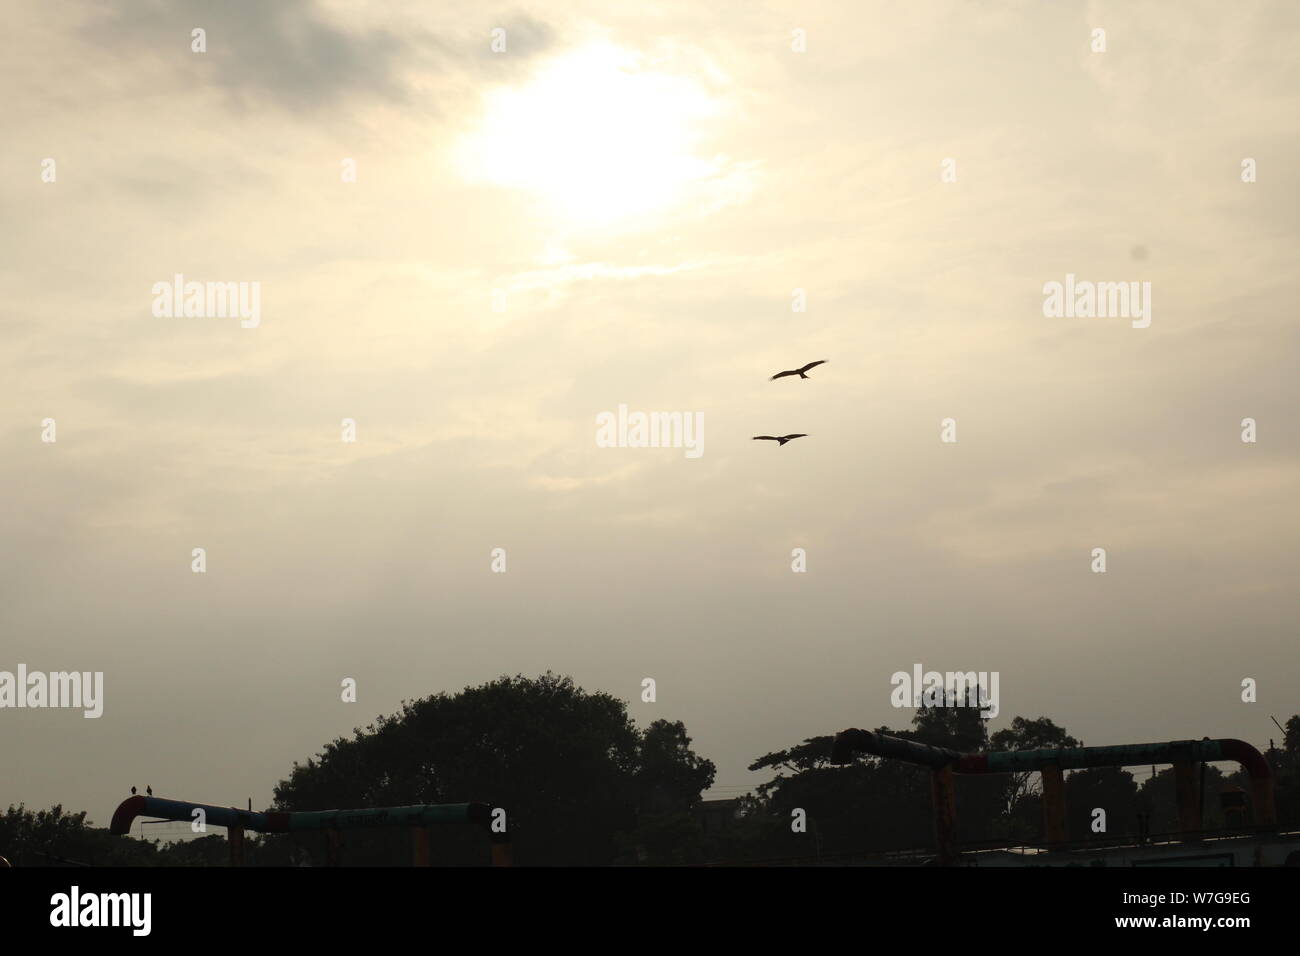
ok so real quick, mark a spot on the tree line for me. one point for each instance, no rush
(583, 785)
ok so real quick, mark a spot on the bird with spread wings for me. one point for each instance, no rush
(781, 439)
(801, 372)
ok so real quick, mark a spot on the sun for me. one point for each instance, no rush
(598, 134)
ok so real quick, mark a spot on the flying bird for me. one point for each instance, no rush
(797, 371)
(782, 439)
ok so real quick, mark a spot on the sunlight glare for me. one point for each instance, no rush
(596, 136)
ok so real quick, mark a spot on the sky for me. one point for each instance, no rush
(476, 227)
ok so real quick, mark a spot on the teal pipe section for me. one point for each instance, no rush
(1123, 755)
(273, 821)
(420, 815)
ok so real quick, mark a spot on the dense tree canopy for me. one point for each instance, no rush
(574, 774)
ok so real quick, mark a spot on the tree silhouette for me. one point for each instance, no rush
(570, 768)
(1026, 734)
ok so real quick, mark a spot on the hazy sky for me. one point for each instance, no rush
(616, 210)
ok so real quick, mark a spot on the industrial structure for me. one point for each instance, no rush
(1185, 756)
(419, 818)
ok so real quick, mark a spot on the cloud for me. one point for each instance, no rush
(294, 55)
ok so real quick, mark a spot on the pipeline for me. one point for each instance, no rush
(331, 821)
(271, 821)
(1066, 758)
(1183, 754)
(895, 748)
(1124, 755)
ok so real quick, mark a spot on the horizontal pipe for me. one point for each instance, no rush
(1067, 758)
(420, 815)
(882, 745)
(273, 821)
(138, 806)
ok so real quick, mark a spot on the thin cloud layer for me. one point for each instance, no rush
(301, 54)
(473, 333)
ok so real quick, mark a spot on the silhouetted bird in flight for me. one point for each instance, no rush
(133, 790)
(782, 439)
(149, 790)
(797, 371)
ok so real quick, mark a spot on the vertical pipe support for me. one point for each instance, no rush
(1054, 805)
(1188, 797)
(235, 837)
(420, 846)
(1263, 810)
(943, 793)
(501, 853)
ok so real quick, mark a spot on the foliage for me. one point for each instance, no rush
(570, 768)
